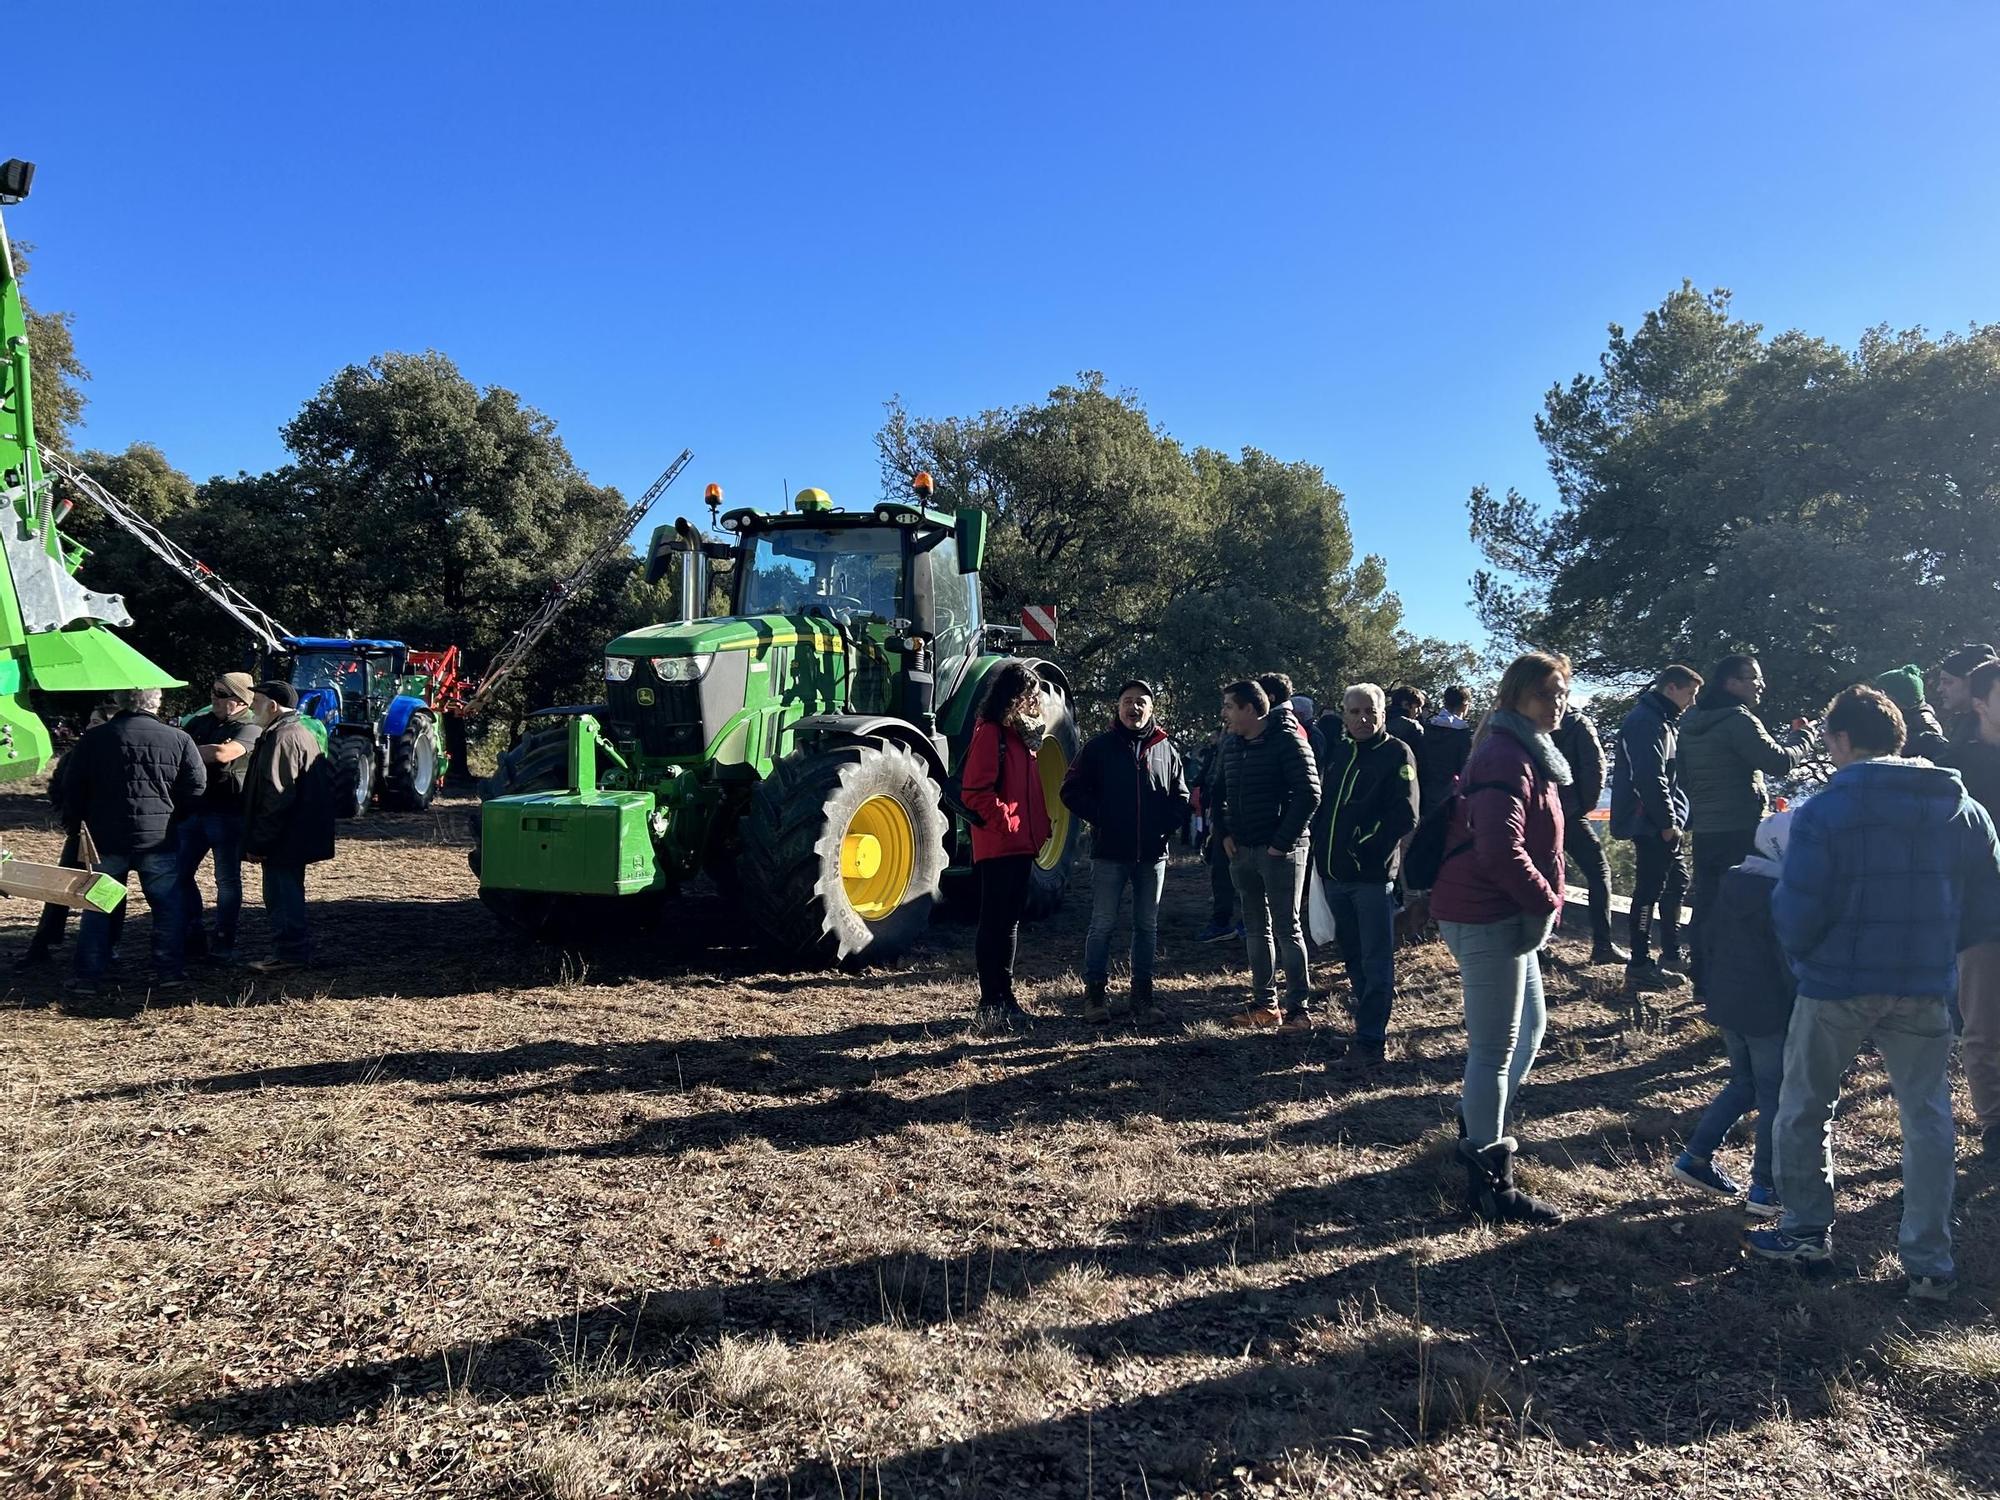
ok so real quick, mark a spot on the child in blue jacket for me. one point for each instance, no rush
(1749, 999)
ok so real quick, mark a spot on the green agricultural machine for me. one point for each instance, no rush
(802, 750)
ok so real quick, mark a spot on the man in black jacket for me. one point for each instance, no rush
(1649, 808)
(1129, 786)
(1370, 802)
(1446, 746)
(127, 782)
(1577, 738)
(1406, 717)
(1270, 789)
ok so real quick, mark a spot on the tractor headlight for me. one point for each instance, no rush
(617, 668)
(682, 668)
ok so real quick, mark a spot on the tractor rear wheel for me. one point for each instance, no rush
(1049, 876)
(412, 778)
(842, 853)
(353, 758)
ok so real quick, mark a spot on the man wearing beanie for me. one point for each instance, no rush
(224, 734)
(287, 819)
(1129, 786)
(1925, 737)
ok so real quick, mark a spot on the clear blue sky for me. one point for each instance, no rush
(1369, 236)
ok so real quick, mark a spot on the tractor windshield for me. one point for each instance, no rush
(348, 675)
(849, 571)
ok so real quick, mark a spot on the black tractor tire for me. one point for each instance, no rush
(412, 780)
(1048, 877)
(790, 870)
(353, 762)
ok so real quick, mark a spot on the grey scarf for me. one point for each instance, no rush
(1540, 747)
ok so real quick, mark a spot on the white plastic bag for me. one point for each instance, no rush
(1319, 916)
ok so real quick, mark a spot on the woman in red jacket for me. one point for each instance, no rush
(1002, 787)
(1496, 900)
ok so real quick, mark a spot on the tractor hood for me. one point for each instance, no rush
(754, 633)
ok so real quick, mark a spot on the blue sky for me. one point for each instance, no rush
(1365, 236)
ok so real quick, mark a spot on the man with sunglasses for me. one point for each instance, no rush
(224, 735)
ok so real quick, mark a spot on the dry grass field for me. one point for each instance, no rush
(462, 1217)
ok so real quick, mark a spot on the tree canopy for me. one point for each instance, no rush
(1186, 567)
(1836, 511)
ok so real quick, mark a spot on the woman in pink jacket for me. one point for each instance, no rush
(1002, 787)
(1496, 900)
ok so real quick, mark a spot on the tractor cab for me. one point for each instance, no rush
(341, 681)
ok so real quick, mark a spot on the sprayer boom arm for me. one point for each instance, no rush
(510, 656)
(267, 631)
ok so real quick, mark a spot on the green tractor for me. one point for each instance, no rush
(802, 750)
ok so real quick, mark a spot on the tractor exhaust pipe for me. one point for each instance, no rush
(692, 587)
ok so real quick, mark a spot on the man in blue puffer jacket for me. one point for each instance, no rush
(1888, 870)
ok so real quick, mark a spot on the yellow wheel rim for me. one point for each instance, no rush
(1052, 762)
(878, 854)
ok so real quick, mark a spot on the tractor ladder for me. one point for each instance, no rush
(559, 598)
(267, 631)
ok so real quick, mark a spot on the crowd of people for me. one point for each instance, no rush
(1870, 912)
(243, 781)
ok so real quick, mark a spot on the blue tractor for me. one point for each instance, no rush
(381, 707)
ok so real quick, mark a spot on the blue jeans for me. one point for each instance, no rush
(1505, 1016)
(1913, 1035)
(222, 834)
(1364, 918)
(285, 906)
(1268, 888)
(1108, 879)
(159, 872)
(1756, 1072)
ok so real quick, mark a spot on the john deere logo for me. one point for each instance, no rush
(646, 697)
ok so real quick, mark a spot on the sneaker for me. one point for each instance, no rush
(1930, 1288)
(1807, 1247)
(171, 982)
(1606, 953)
(1652, 979)
(1237, 932)
(1296, 1020)
(275, 965)
(1763, 1202)
(1675, 962)
(1256, 1018)
(1217, 932)
(1705, 1175)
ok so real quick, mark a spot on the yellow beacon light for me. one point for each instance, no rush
(923, 484)
(813, 500)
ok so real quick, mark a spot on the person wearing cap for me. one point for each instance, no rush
(1749, 1001)
(288, 813)
(1954, 690)
(1926, 736)
(1129, 785)
(127, 782)
(224, 735)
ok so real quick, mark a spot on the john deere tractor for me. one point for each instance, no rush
(803, 750)
(379, 706)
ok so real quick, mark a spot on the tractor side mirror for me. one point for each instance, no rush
(663, 555)
(970, 532)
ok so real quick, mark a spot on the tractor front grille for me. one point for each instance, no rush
(668, 726)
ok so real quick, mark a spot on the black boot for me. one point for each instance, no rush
(1142, 1000)
(1490, 1182)
(1602, 949)
(1095, 1010)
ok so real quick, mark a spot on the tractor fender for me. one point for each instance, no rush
(397, 719)
(815, 727)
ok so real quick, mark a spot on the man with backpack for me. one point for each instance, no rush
(1649, 808)
(1369, 781)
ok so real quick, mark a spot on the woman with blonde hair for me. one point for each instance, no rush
(1496, 900)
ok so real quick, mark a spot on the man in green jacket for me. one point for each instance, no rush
(1725, 754)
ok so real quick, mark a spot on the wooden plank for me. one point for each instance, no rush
(59, 885)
